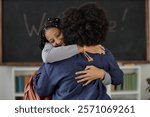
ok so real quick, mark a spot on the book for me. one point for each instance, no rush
(19, 84)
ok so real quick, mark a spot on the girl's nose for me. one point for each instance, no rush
(58, 43)
(54, 44)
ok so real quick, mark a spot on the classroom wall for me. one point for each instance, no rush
(145, 73)
(6, 83)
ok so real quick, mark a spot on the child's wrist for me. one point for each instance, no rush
(80, 49)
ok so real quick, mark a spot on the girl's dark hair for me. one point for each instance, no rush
(50, 23)
(86, 25)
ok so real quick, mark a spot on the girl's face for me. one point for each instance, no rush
(54, 36)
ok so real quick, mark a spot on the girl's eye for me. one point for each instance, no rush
(58, 34)
(51, 41)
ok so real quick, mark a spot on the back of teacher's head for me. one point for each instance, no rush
(86, 25)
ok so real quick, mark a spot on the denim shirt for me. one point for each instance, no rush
(58, 79)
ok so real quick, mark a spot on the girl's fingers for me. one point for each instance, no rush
(82, 76)
(88, 67)
(102, 47)
(81, 72)
(82, 80)
(87, 82)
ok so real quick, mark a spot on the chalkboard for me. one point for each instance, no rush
(22, 20)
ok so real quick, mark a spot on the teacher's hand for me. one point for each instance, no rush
(89, 74)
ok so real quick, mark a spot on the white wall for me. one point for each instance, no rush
(6, 92)
(145, 73)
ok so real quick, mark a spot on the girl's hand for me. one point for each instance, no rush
(89, 74)
(97, 49)
(80, 49)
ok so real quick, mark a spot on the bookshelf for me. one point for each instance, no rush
(20, 77)
(125, 92)
(131, 87)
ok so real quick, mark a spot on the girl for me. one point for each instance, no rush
(53, 49)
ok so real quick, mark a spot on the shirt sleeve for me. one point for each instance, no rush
(52, 54)
(107, 79)
(114, 70)
(42, 83)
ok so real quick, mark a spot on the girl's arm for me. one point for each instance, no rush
(52, 54)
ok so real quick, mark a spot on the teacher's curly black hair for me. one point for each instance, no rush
(87, 25)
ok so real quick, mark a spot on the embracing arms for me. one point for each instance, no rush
(52, 54)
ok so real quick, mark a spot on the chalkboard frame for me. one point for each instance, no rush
(38, 63)
(0, 31)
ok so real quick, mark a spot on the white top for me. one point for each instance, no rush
(52, 54)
